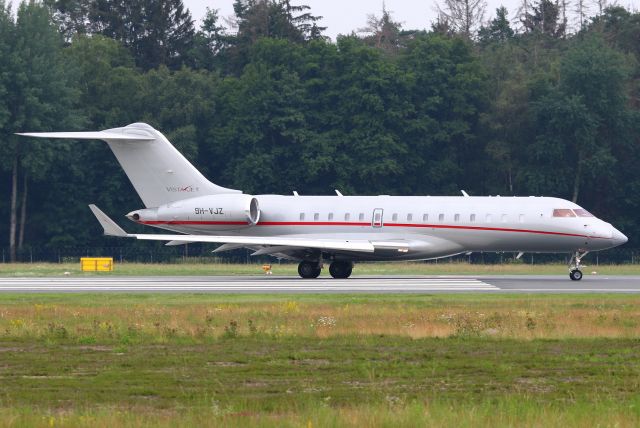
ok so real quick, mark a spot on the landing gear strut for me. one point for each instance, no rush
(574, 268)
(340, 269)
(309, 270)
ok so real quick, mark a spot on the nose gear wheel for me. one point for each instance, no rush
(574, 265)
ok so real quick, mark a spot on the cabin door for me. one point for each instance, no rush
(376, 220)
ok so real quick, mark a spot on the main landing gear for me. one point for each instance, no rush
(574, 266)
(338, 269)
(309, 270)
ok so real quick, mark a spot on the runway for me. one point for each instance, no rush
(356, 284)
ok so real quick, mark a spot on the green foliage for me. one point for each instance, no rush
(544, 20)
(499, 30)
(275, 107)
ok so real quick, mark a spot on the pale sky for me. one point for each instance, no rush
(344, 16)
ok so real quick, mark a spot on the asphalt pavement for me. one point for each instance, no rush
(356, 284)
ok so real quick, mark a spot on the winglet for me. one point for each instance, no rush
(110, 227)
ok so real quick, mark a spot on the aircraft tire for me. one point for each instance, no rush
(575, 275)
(309, 270)
(340, 269)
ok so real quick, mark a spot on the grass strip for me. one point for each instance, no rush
(341, 360)
(288, 269)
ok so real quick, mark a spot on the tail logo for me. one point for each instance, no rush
(182, 189)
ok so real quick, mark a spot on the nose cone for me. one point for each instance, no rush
(618, 237)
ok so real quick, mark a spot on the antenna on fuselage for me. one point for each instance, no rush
(338, 193)
(295, 193)
(465, 194)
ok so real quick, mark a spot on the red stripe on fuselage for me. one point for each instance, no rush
(194, 223)
(329, 223)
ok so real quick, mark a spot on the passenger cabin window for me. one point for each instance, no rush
(456, 218)
(425, 218)
(441, 217)
(347, 217)
(316, 217)
(472, 218)
(563, 213)
(330, 216)
(361, 217)
(583, 213)
(409, 217)
(394, 217)
(301, 216)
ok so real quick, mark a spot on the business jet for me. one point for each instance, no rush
(339, 229)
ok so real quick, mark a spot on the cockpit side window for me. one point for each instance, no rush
(563, 213)
(583, 213)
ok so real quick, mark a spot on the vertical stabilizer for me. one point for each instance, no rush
(159, 173)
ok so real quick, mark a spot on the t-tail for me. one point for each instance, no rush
(159, 173)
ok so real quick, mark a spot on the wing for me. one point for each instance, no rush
(112, 229)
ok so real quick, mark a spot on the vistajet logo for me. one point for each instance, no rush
(182, 189)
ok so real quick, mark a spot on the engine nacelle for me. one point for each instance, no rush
(212, 212)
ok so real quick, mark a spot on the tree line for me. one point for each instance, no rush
(266, 103)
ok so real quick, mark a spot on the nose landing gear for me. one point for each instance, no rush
(574, 268)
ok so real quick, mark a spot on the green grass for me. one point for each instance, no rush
(312, 360)
(289, 269)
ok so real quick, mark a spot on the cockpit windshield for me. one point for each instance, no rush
(583, 213)
(563, 213)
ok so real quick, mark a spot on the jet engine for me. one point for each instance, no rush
(214, 211)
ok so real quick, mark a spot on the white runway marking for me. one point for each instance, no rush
(213, 284)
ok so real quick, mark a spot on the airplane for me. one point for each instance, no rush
(340, 229)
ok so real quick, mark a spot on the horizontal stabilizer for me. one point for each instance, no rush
(110, 227)
(99, 135)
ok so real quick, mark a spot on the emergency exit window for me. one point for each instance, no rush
(301, 216)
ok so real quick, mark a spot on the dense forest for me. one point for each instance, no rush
(539, 102)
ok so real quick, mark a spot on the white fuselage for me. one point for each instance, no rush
(340, 228)
(431, 227)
